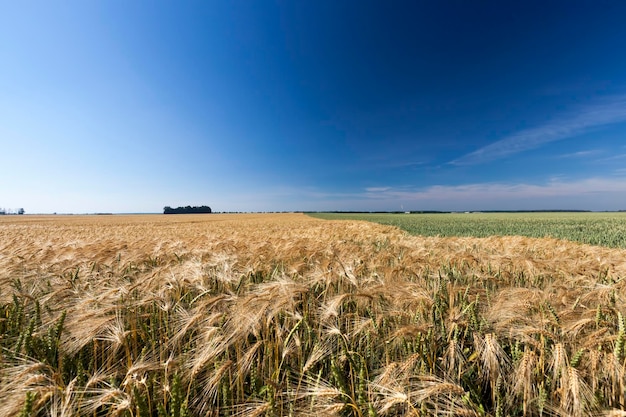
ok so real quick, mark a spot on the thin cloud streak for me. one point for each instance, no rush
(608, 112)
(597, 193)
(590, 193)
(580, 154)
(614, 157)
(554, 188)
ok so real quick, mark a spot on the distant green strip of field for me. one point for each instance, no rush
(601, 229)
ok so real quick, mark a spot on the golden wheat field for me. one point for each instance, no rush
(287, 315)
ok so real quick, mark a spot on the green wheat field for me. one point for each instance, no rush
(602, 229)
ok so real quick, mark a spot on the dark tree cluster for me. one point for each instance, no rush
(186, 210)
(10, 211)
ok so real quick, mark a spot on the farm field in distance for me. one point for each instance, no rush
(603, 229)
(291, 315)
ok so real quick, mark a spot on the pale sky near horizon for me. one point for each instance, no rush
(116, 106)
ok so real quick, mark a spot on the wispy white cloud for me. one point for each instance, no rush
(552, 188)
(591, 193)
(580, 154)
(614, 157)
(597, 193)
(609, 111)
(377, 189)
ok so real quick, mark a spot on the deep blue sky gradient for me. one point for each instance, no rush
(112, 106)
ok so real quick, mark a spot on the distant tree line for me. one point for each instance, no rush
(186, 210)
(4, 211)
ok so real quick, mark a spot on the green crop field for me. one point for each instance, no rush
(601, 229)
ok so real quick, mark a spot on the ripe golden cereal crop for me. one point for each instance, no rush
(287, 315)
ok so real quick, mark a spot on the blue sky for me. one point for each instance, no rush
(117, 106)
